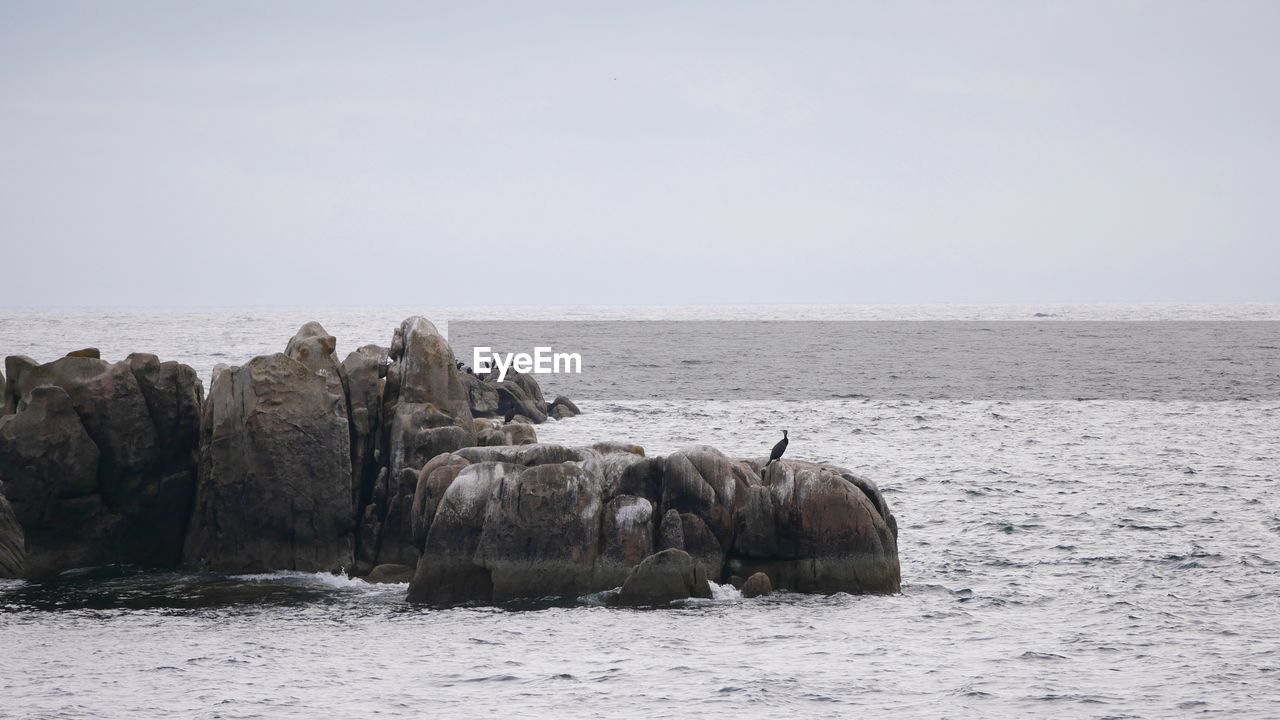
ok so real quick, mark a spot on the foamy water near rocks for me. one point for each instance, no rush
(395, 463)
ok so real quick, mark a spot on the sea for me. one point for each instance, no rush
(1093, 557)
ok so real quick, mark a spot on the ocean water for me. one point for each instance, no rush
(1064, 558)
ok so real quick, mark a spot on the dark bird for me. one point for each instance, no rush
(778, 449)
(511, 415)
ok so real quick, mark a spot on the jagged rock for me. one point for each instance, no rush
(756, 585)
(390, 573)
(275, 473)
(86, 353)
(671, 531)
(482, 396)
(541, 532)
(562, 407)
(817, 528)
(12, 542)
(130, 504)
(662, 578)
(627, 534)
(447, 573)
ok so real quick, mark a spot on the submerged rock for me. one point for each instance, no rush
(664, 577)
(390, 573)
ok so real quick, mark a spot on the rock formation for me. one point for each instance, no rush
(506, 522)
(98, 459)
(275, 489)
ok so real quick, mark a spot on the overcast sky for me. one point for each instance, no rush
(638, 152)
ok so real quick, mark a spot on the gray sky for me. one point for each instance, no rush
(638, 153)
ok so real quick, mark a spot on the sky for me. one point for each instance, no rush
(382, 153)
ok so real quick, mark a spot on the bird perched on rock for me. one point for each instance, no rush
(778, 449)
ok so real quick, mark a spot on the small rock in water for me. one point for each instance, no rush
(757, 585)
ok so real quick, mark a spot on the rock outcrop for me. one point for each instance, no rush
(98, 459)
(506, 522)
(425, 413)
(275, 472)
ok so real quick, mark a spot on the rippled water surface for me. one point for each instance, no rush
(1066, 559)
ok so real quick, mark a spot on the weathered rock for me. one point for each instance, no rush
(390, 573)
(364, 369)
(520, 394)
(14, 366)
(447, 573)
(116, 476)
(662, 578)
(316, 349)
(423, 365)
(86, 353)
(114, 411)
(819, 528)
(541, 454)
(702, 545)
(541, 532)
(756, 586)
(435, 478)
(419, 432)
(704, 481)
(519, 434)
(482, 396)
(49, 468)
(275, 473)
(173, 394)
(562, 407)
(643, 478)
(671, 531)
(627, 535)
(13, 552)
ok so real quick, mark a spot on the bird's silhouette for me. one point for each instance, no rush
(778, 449)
